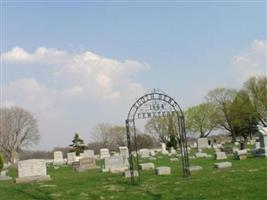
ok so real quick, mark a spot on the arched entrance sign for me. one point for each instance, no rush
(155, 104)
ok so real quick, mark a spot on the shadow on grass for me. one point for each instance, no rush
(154, 196)
(42, 195)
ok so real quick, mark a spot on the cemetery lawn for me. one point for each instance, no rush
(246, 180)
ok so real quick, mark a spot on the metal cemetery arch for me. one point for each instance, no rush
(155, 97)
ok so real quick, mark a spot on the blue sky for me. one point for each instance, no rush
(185, 49)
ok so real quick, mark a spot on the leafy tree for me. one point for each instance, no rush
(18, 129)
(202, 119)
(1, 162)
(257, 90)
(243, 116)
(222, 99)
(77, 145)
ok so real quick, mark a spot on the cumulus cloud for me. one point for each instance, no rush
(250, 62)
(84, 72)
(41, 55)
(82, 86)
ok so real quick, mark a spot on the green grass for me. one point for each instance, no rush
(246, 180)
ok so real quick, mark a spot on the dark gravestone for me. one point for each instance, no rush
(85, 164)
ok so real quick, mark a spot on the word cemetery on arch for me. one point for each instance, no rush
(162, 105)
(155, 104)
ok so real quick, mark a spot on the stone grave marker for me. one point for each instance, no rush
(163, 149)
(222, 165)
(71, 157)
(241, 154)
(115, 164)
(32, 170)
(85, 164)
(262, 150)
(202, 143)
(201, 155)
(127, 173)
(104, 153)
(58, 158)
(144, 153)
(124, 151)
(147, 166)
(3, 176)
(163, 170)
(220, 155)
(195, 168)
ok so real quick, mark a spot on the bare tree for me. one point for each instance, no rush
(18, 129)
(158, 127)
(101, 133)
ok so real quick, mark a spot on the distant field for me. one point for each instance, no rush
(246, 180)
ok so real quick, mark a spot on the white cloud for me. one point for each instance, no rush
(250, 62)
(41, 55)
(86, 85)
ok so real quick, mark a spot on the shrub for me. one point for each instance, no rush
(1, 162)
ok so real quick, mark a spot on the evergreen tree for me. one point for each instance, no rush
(77, 145)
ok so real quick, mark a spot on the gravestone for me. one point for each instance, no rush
(195, 168)
(115, 164)
(127, 173)
(32, 170)
(173, 151)
(257, 145)
(222, 165)
(124, 151)
(147, 166)
(104, 153)
(58, 158)
(163, 149)
(71, 157)
(220, 155)
(201, 155)
(262, 150)
(241, 154)
(152, 152)
(89, 153)
(3, 176)
(202, 143)
(85, 164)
(163, 170)
(144, 153)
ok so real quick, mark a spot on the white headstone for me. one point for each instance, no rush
(202, 143)
(163, 148)
(147, 166)
(124, 151)
(262, 151)
(257, 145)
(163, 170)
(201, 155)
(222, 165)
(144, 153)
(115, 164)
(195, 168)
(104, 153)
(220, 155)
(31, 170)
(58, 158)
(71, 157)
